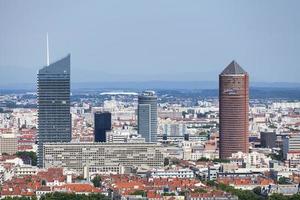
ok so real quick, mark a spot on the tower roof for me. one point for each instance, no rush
(233, 68)
(61, 66)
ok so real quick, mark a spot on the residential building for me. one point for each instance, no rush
(172, 173)
(8, 144)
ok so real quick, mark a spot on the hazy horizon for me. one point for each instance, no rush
(138, 41)
(140, 85)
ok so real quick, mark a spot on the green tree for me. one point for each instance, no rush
(97, 181)
(139, 192)
(241, 194)
(295, 197)
(211, 183)
(277, 196)
(203, 159)
(166, 161)
(284, 180)
(73, 196)
(200, 190)
(28, 154)
(168, 194)
(221, 160)
(257, 190)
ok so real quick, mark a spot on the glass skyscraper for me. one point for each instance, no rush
(102, 124)
(147, 116)
(54, 118)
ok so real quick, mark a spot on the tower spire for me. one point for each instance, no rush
(47, 50)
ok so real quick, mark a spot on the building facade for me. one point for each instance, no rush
(291, 147)
(75, 156)
(147, 116)
(268, 139)
(172, 173)
(234, 108)
(54, 118)
(8, 144)
(102, 124)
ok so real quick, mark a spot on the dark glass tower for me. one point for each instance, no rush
(147, 116)
(234, 108)
(268, 139)
(54, 118)
(102, 124)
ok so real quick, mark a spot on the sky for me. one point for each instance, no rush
(139, 40)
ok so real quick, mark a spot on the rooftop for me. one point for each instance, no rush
(61, 66)
(233, 68)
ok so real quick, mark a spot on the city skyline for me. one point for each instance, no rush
(172, 45)
(162, 100)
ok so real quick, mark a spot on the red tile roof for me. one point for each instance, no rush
(77, 188)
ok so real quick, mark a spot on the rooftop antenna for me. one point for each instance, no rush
(47, 50)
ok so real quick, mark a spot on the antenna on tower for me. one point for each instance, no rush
(47, 50)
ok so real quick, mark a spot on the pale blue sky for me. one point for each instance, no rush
(151, 40)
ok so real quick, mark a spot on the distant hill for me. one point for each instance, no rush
(158, 85)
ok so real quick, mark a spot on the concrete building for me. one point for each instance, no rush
(291, 147)
(54, 118)
(74, 156)
(90, 171)
(172, 173)
(8, 144)
(116, 137)
(173, 129)
(234, 107)
(102, 124)
(250, 160)
(147, 116)
(213, 172)
(25, 170)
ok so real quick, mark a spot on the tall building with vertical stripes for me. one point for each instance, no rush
(234, 108)
(54, 118)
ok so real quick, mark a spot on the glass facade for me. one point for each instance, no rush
(54, 118)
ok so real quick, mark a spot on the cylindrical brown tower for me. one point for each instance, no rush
(234, 108)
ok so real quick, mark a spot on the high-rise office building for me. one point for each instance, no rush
(54, 118)
(102, 123)
(234, 107)
(268, 139)
(147, 115)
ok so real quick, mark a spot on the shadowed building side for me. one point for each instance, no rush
(234, 108)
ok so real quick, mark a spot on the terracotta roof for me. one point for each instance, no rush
(52, 174)
(77, 188)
